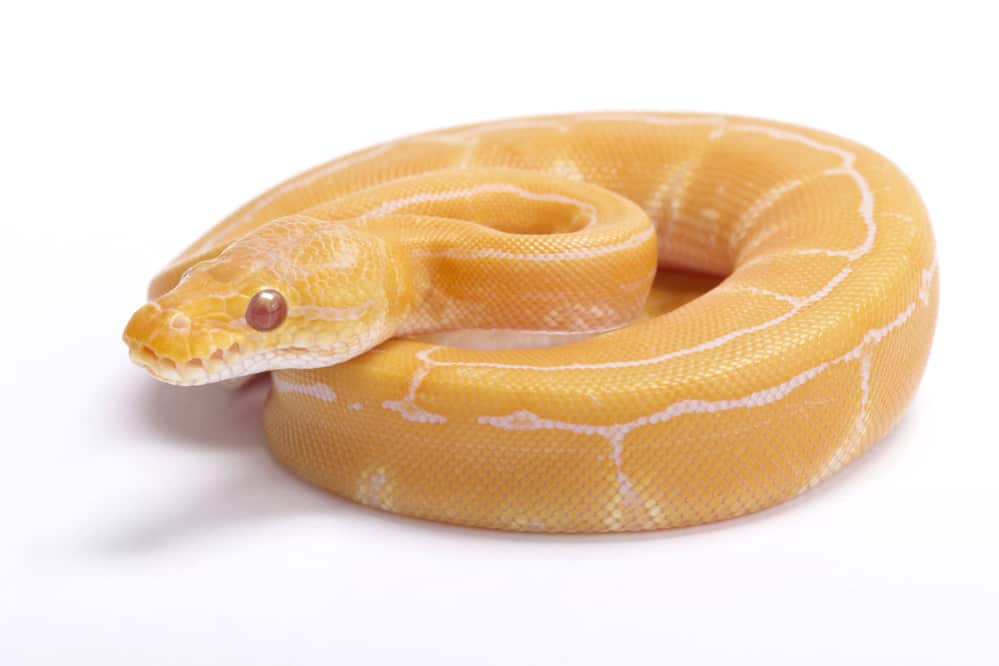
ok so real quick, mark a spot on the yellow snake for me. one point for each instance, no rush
(459, 324)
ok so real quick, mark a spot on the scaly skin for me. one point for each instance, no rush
(802, 357)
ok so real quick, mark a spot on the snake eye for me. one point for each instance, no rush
(266, 311)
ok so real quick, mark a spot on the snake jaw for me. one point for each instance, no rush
(233, 362)
(220, 365)
(194, 372)
(177, 350)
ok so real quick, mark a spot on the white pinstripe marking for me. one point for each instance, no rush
(318, 391)
(389, 207)
(758, 207)
(580, 253)
(791, 300)
(407, 407)
(330, 313)
(926, 281)
(713, 343)
(615, 433)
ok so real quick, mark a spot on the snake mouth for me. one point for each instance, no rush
(220, 365)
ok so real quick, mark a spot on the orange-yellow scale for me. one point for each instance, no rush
(468, 332)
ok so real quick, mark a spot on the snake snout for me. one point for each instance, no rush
(177, 350)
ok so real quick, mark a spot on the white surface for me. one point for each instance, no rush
(146, 524)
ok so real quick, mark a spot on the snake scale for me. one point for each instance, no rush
(484, 325)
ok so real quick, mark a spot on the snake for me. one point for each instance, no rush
(592, 322)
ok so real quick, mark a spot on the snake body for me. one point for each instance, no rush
(467, 333)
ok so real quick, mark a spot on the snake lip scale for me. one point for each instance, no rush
(592, 322)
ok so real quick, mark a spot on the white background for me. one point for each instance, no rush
(143, 524)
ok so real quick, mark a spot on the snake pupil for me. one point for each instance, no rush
(266, 311)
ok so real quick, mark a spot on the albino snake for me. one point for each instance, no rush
(407, 299)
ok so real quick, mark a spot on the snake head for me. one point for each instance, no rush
(295, 293)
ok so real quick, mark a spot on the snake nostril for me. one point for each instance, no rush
(180, 322)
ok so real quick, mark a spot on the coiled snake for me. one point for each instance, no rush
(458, 324)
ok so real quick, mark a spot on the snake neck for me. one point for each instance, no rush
(451, 276)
